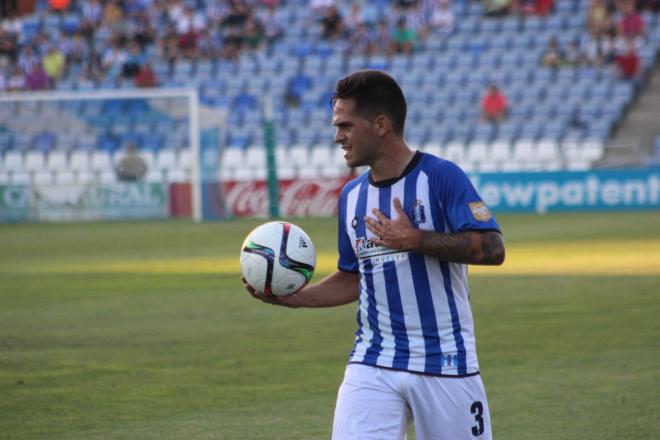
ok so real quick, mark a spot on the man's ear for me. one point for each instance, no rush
(382, 125)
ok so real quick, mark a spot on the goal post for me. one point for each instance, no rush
(79, 120)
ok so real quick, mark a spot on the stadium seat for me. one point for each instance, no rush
(64, 177)
(20, 178)
(34, 161)
(42, 177)
(12, 161)
(101, 161)
(185, 159)
(80, 160)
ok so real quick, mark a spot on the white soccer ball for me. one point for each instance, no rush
(278, 258)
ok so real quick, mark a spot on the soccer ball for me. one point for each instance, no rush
(277, 258)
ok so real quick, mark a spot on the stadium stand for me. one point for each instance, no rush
(558, 117)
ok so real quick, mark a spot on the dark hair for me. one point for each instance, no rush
(375, 93)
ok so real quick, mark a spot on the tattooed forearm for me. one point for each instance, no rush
(469, 247)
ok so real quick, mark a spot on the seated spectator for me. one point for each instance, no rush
(59, 6)
(134, 60)
(628, 63)
(552, 56)
(494, 105)
(253, 34)
(631, 24)
(543, 7)
(353, 20)
(497, 8)
(145, 77)
(382, 39)
(16, 80)
(36, 78)
(209, 45)
(272, 24)
(532, 7)
(442, 19)
(332, 25)
(131, 167)
(361, 41)
(8, 45)
(54, 64)
(573, 56)
(404, 38)
(598, 18)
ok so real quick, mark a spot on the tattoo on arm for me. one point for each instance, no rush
(468, 247)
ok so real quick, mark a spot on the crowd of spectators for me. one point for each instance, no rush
(109, 40)
(405, 25)
(616, 32)
(117, 41)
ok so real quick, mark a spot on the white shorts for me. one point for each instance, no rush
(379, 404)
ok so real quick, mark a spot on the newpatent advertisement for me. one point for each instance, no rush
(505, 192)
(83, 202)
(570, 191)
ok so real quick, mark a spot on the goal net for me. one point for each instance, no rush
(59, 154)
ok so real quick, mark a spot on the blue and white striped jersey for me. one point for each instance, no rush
(414, 312)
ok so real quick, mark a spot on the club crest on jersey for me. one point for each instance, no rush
(417, 213)
(480, 211)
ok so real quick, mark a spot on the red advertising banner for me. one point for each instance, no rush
(298, 197)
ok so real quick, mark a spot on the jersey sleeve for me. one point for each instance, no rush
(462, 206)
(347, 260)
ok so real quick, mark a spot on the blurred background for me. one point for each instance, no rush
(498, 86)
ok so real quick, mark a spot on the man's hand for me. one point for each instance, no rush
(396, 233)
(467, 247)
(285, 301)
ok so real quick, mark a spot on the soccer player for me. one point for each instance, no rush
(407, 229)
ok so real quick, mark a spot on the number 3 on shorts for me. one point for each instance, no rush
(477, 409)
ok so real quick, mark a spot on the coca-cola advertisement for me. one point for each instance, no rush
(298, 197)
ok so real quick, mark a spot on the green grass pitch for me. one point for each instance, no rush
(142, 330)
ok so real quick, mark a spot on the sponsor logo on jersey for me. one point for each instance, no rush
(365, 248)
(480, 211)
(354, 223)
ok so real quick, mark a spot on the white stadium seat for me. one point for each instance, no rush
(64, 177)
(547, 150)
(34, 161)
(101, 161)
(523, 150)
(13, 161)
(166, 159)
(185, 159)
(57, 161)
(455, 152)
(176, 175)
(320, 155)
(107, 177)
(85, 176)
(79, 161)
(299, 155)
(42, 177)
(20, 178)
(433, 148)
(477, 152)
(153, 176)
(500, 151)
